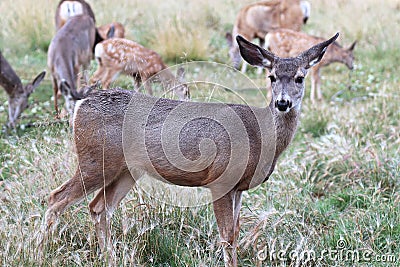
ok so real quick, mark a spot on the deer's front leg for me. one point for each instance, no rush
(227, 210)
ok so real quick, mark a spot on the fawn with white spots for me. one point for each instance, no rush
(118, 55)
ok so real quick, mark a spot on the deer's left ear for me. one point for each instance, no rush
(314, 55)
(254, 54)
(351, 48)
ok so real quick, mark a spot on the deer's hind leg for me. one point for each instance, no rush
(69, 193)
(104, 204)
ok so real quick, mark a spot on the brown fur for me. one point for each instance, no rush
(256, 20)
(98, 127)
(118, 55)
(119, 30)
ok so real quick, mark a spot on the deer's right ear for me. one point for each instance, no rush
(254, 54)
(314, 55)
(29, 88)
(111, 31)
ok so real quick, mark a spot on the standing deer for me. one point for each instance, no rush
(256, 20)
(98, 133)
(288, 43)
(117, 55)
(70, 49)
(18, 93)
(67, 9)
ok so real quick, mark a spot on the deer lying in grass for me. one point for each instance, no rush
(67, 9)
(288, 43)
(70, 49)
(256, 20)
(98, 127)
(117, 55)
(18, 93)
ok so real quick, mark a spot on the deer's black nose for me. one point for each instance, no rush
(283, 104)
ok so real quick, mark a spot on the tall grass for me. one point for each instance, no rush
(339, 180)
(27, 25)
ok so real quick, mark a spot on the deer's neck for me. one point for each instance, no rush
(167, 78)
(12, 89)
(285, 128)
(334, 54)
(9, 79)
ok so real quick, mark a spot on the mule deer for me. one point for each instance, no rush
(69, 50)
(118, 55)
(256, 20)
(98, 126)
(288, 43)
(17, 93)
(67, 9)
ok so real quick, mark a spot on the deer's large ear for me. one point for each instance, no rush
(351, 48)
(111, 31)
(254, 54)
(314, 55)
(35, 83)
(66, 89)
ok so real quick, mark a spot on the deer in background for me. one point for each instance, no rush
(288, 43)
(256, 20)
(117, 55)
(18, 93)
(67, 9)
(69, 51)
(98, 134)
(111, 30)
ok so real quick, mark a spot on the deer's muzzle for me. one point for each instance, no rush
(283, 105)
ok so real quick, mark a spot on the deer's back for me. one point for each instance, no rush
(72, 44)
(288, 43)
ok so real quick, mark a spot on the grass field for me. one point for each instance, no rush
(335, 189)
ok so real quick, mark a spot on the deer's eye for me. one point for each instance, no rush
(272, 78)
(299, 79)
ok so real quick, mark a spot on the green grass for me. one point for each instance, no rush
(339, 179)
